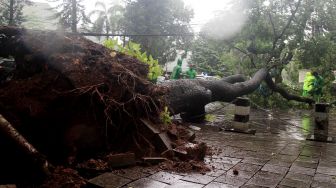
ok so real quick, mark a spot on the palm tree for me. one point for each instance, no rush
(107, 20)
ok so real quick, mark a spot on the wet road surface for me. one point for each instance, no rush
(278, 155)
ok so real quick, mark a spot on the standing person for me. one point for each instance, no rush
(308, 85)
(176, 74)
(191, 73)
(318, 86)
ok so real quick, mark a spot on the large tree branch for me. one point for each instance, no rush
(223, 91)
(234, 79)
(289, 22)
(284, 93)
(273, 26)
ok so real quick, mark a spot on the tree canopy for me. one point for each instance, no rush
(11, 12)
(159, 18)
(70, 13)
(108, 18)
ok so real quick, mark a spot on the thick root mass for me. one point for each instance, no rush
(71, 98)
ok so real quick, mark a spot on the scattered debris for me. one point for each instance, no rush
(64, 177)
(235, 172)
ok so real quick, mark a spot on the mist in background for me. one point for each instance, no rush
(227, 23)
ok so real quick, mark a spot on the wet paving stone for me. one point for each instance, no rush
(299, 177)
(247, 167)
(221, 166)
(231, 180)
(184, 184)
(255, 161)
(131, 173)
(310, 153)
(293, 152)
(228, 151)
(269, 175)
(259, 181)
(302, 170)
(282, 186)
(166, 177)
(148, 183)
(327, 164)
(326, 170)
(294, 183)
(305, 164)
(215, 173)
(307, 159)
(324, 178)
(252, 186)
(150, 170)
(109, 180)
(277, 162)
(275, 169)
(316, 184)
(286, 158)
(228, 160)
(219, 185)
(198, 178)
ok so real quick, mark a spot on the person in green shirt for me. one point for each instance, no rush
(308, 85)
(318, 85)
(191, 73)
(176, 74)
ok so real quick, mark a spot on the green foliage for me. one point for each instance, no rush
(165, 117)
(159, 17)
(210, 118)
(134, 49)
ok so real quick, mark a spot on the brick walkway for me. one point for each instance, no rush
(277, 156)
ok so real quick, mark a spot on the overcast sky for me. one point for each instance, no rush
(203, 9)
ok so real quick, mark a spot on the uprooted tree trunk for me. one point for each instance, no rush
(189, 97)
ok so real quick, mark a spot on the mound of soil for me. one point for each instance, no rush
(72, 99)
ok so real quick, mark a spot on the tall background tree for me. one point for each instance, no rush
(70, 13)
(11, 12)
(159, 18)
(107, 18)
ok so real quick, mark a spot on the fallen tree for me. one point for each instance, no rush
(69, 98)
(189, 97)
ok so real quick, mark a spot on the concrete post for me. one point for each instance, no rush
(242, 116)
(321, 124)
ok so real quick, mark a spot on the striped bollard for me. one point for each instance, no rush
(321, 124)
(242, 116)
